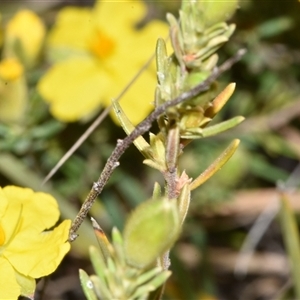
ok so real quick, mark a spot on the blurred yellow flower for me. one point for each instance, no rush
(24, 36)
(10, 69)
(97, 51)
(13, 91)
(27, 251)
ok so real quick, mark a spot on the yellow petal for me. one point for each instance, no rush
(74, 88)
(39, 255)
(138, 100)
(74, 28)
(28, 31)
(137, 103)
(28, 211)
(126, 14)
(9, 288)
(12, 217)
(27, 285)
(10, 69)
(13, 91)
(143, 43)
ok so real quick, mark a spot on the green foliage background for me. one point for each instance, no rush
(267, 94)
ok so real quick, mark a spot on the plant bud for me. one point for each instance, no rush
(150, 231)
(216, 11)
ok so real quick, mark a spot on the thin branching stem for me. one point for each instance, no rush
(141, 128)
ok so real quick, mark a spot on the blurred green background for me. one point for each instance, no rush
(222, 210)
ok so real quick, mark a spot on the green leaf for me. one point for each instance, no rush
(274, 27)
(216, 165)
(156, 191)
(161, 58)
(102, 240)
(263, 169)
(154, 165)
(291, 240)
(223, 126)
(87, 285)
(218, 103)
(101, 288)
(118, 245)
(157, 281)
(143, 278)
(128, 127)
(184, 201)
(97, 262)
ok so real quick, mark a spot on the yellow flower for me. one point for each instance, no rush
(98, 51)
(13, 91)
(27, 251)
(10, 69)
(24, 36)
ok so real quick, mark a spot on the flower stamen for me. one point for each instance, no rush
(102, 45)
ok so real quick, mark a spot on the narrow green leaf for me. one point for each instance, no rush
(161, 57)
(102, 240)
(157, 144)
(152, 285)
(117, 237)
(111, 265)
(130, 187)
(97, 262)
(118, 245)
(216, 165)
(184, 201)
(274, 27)
(101, 288)
(176, 38)
(128, 127)
(111, 276)
(218, 103)
(160, 279)
(223, 126)
(156, 191)
(148, 275)
(154, 165)
(215, 30)
(87, 285)
(291, 240)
